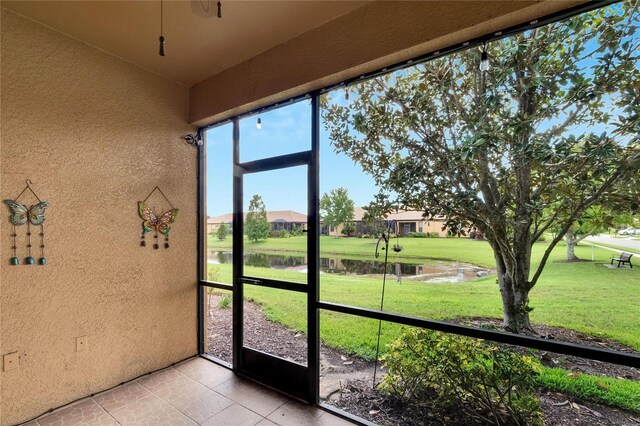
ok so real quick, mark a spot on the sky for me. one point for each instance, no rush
(284, 131)
(287, 130)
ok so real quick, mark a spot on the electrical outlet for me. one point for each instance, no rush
(81, 343)
(11, 361)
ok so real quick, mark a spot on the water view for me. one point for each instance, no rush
(433, 271)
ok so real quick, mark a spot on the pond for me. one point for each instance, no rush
(430, 271)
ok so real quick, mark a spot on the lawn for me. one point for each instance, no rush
(477, 252)
(583, 296)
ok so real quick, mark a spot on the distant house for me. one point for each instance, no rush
(279, 219)
(401, 222)
(413, 221)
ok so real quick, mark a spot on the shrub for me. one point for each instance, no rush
(296, 231)
(417, 235)
(213, 273)
(280, 233)
(225, 301)
(434, 235)
(488, 383)
(223, 231)
(349, 229)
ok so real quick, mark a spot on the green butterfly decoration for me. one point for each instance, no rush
(23, 215)
(20, 214)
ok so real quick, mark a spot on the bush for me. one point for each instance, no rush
(225, 301)
(280, 233)
(296, 231)
(349, 229)
(488, 383)
(417, 235)
(213, 273)
(223, 231)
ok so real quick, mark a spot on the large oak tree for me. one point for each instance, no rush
(529, 145)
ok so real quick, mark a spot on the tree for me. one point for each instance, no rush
(223, 231)
(493, 149)
(336, 208)
(614, 209)
(349, 229)
(256, 224)
(594, 220)
(375, 213)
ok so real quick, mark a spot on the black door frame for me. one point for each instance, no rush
(291, 378)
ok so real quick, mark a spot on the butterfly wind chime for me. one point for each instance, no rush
(31, 216)
(154, 222)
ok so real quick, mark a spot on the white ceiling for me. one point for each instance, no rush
(196, 47)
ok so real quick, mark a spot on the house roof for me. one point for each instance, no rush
(295, 217)
(272, 216)
(401, 215)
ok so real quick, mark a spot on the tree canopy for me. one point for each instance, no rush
(551, 127)
(336, 208)
(223, 231)
(256, 224)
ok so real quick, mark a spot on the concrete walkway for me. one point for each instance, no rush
(625, 243)
(635, 253)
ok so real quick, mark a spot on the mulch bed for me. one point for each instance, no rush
(568, 362)
(346, 382)
(557, 410)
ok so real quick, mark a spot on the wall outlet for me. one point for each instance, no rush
(11, 361)
(81, 343)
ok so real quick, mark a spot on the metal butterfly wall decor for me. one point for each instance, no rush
(154, 222)
(21, 215)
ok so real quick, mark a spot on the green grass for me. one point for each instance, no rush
(616, 392)
(583, 296)
(463, 249)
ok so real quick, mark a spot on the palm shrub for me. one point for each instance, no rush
(489, 383)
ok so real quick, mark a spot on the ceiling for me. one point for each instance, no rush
(196, 47)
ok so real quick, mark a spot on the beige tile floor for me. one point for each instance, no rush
(194, 392)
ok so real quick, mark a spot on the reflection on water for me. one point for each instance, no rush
(436, 272)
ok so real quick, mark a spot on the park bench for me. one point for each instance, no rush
(622, 259)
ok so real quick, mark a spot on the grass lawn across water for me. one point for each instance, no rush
(583, 296)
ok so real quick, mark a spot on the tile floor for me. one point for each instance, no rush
(194, 392)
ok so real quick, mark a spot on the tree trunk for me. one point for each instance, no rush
(570, 238)
(515, 301)
(512, 268)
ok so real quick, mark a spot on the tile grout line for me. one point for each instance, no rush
(204, 384)
(126, 404)
(270, 412)
(163, 400)
(176, 408)
(103, 409)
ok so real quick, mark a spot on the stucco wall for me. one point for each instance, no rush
(94, 134)
(379, 34)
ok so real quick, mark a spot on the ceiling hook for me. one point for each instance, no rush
(29, 183)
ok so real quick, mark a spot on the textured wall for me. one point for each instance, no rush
(379, 34)
(94, 135)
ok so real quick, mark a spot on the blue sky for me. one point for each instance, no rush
(284, 130)
(287, 130)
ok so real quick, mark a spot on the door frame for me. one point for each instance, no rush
(291, 378)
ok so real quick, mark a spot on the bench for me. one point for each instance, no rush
(622, 259)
